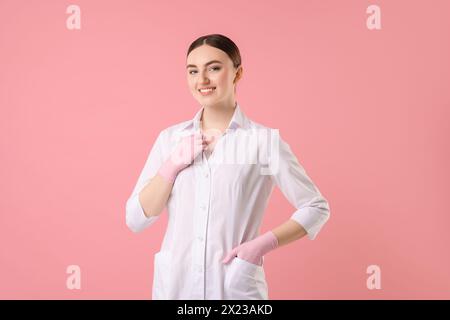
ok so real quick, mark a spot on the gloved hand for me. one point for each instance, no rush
(183, 155)
(253, 250)
(211, 136)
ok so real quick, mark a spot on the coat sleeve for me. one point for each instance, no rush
(135, 217)
(313, 209)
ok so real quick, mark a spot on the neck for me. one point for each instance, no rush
(217, 116)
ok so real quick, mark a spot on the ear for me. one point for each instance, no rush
(238, 74)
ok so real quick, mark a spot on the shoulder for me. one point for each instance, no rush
(265, 130)
(270, 139)
(259, 126)
(169, 133)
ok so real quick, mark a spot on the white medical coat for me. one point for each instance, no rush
(217, 204)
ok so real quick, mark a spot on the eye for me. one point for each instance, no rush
(212, 68)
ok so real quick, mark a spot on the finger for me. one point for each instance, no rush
(199, 146)
(227, 259)
(230, 256)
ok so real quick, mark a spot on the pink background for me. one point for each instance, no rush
(366, 112)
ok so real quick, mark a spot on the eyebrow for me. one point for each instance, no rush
(206, 64)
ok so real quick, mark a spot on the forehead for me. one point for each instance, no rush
(205, 53)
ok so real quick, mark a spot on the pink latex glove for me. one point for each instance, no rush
(183, 155)
(253, 250)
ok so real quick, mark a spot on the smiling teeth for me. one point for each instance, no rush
(207, 90)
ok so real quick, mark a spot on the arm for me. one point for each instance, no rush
(312, 208)
(311, 214)
(155, 183)
(154, 196)
(288, 232)
(255, 249)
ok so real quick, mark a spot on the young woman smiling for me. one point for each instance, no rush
(212, 248)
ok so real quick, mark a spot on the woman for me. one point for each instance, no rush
(212, 248)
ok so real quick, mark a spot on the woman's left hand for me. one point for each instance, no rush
(252, 251)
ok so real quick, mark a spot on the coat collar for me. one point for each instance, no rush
(239, 120)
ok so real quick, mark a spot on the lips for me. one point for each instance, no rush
(207, 89)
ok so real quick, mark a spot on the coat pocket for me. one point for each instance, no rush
(161, 276)
(245, 281)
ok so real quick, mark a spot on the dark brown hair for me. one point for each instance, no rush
(220, 42)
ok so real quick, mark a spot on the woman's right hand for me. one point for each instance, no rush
(183, 155)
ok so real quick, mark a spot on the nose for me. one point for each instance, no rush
(203, 78)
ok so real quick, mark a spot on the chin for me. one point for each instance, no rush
(210, 100)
